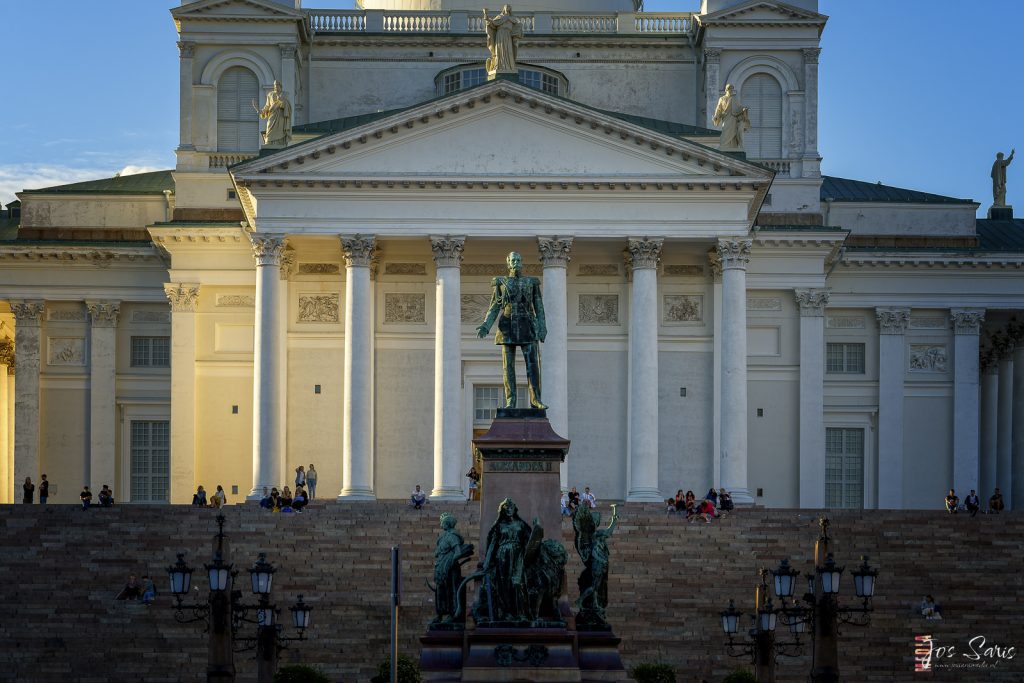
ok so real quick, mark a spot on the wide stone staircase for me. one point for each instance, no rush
(61, 568)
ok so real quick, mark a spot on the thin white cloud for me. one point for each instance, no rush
(134, 170)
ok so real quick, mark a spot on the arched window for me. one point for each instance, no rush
(467, 75)
(762, 95)
(238, 125)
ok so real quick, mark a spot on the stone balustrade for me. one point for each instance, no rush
(225, 159)
(386, 21)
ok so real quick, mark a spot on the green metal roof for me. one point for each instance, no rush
(846, 190)
(1001, 235)
(154, 182)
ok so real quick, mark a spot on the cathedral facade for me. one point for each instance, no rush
(305, 285)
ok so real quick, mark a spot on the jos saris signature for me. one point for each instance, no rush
(978, 652)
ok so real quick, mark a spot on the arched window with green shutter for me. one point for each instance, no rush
(238, 123)
(762, 95)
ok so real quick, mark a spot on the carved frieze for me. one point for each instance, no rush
(236, 301)
(683, 270)
(318, 308)
(65, 315)
(845, 322)
(405, 268)
(927, 358)
(928, 323)
(150, 317)
(599, 309)
(474, 307)
(682, 308)
(497, 269)
(319, 268)
(554, 251)
(764, 303)
(65, 351)
(402, 308)
(598, 270)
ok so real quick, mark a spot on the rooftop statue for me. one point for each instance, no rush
(592, 547)
(503, 34)
(999, 178)
(449, 591)
(516, 303)
(734, 119)
(278, 114)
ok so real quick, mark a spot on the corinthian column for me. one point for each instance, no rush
(6, 466)
(892, 328)
(812, 304)
(989, 427)
(183, 298)
(734, 256)
(357, 420)
(643, 372)
(554, 255)
(966, 398)
(1004, 437)
(27, 321)
(99, 463)
(266, 366)
(448, 453)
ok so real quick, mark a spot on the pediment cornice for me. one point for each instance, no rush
(249, 10)
(747, 15)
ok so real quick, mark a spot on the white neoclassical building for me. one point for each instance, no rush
(726, 319)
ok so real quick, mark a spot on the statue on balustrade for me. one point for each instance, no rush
(278, 114)
(517, 305)
(734, 119)
(449, 591)
(503, 34)
(999, 178)
(592, 546)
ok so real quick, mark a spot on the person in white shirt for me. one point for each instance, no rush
(418, 498)
(565, 504)
(588, 498)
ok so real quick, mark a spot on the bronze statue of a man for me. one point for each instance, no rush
(516, 303)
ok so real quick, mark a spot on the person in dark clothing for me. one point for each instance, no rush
(29, 489)
(44, 490)
(972, 503)
(106, 497)
(86, 496)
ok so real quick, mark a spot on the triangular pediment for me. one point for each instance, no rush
(764, 12)
(223, 9)
(501, 130)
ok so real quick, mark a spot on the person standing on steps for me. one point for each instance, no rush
(311, 481)
(44, 490)
(29, 489)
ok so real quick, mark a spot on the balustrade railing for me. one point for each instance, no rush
(225, 159)
(380, 21)
(777, 165)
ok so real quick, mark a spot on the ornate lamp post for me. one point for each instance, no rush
(762, 647)
(224, 612)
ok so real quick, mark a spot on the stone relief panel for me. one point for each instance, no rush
(764, 303)
(319, 268)
(684, 270)
(682, 308)
(65, 315)
(845, 322)
(599, 270)
(151, 317)
(928, 358)
(65, 351)
(405, 269)
(496, 269)
(599, 309)
(318, 308)
(474, 307)
(929, 323)
(236, 301)
(404, 308)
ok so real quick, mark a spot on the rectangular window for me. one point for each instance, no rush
(550, 84)
(473, 77)
(151, 352)
(844, 358)
(487, 399)
(150, 460)
(844, 468)
(452, 83)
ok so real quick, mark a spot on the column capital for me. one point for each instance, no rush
(287, 50)
(645, 253)
(104, 313)
(28, 312)
(712, 55)
(447, 250)
(892, 320)
(554, 251)
(812, 302)
(966, 320)
(715, 264)
(811, 54)
(186, 49)
(734, 254)
(266, 248)
(7, 354)
(358, 250)
(182, 296)
(287, 263)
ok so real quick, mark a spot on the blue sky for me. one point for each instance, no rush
(914, 93)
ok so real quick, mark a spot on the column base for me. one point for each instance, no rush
(363, 494)
(256, 493)
(644, 495)
(741, 496)
(453, 495)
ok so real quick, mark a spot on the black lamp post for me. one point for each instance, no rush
(761, 645)
(224, 612)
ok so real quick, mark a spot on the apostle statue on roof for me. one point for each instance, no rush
(503, 34)
(278, 114)
(734, 119)
(999, 178)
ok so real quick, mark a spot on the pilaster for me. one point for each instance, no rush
(812, 303)
(555, 257)
(811, 110)
(715, 267)
(1016, 473)
(100, 461)
(643, 372)
(734, 255)
(712, 86)
(966, 398)
(28, 317)
(449, 454)
(186, 51)
(989, 430)
(183, 299)
(892, 327)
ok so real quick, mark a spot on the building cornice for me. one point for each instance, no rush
(101, 257)
(933, 261)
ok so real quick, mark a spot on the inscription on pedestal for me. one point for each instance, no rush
(517, 466)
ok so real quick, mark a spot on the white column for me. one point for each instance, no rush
(357, 420)
(554, 255)
(99, 462)
(6, 471)
(183, 298)
(989, 427)
(712, 88)
(1017, 437)
(186, 50)
(287, 269)
(11, 400)
(810, 151)
(448, 449)
(812, 304)
(288, 78)
(266, 371)
(966, 394)
(734, 255)
(715, 264)
(892, 327)
(1004, 436)
(643, 372)
(27, 335)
